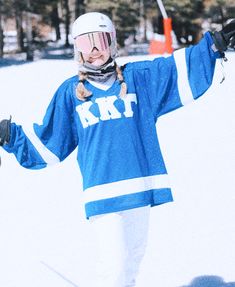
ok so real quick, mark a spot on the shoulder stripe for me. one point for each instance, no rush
(125, 187)
(49, 157)
(184, 88)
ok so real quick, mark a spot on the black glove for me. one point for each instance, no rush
(5, 131)
(225, 37)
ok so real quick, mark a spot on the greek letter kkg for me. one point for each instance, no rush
(108, 109)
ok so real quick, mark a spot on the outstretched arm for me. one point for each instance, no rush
(200, 59)
(48, 143)
(186, 75)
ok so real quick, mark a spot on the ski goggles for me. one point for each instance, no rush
(87, 42)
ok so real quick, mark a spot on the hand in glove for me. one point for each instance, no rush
(225, 37)
(5, 131)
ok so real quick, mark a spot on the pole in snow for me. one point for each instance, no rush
(162, 9)
(167, 26)
(59, 274)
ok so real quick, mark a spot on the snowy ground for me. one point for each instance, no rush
(42, 222)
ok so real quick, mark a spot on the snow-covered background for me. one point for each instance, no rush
(42, 220)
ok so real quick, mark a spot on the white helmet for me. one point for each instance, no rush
(95, 22)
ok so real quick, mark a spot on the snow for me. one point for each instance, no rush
(45, 239)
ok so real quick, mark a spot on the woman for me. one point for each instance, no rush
(110, 113)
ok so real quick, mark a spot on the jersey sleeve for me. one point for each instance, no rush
(177, 80)
(52, 141)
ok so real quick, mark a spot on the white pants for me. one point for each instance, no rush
(122, 240)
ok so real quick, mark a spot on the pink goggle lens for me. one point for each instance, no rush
(87, 42)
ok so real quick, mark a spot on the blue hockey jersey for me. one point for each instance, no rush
(118, 150)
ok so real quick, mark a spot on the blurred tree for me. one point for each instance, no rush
(1, 30)
(80, 7)
(28, 32)
(18, 8)
(66, 16)
(22, 10)
(219, 11)
(127, 20)
(55, 19)
(5, 12)
(48, 10)
(186, 18)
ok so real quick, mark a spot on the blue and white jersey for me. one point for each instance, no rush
(118, 150)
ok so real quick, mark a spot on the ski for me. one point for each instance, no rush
(59, 274)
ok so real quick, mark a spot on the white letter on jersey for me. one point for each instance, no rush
(128, 99)
(86, 117)
(107, 108)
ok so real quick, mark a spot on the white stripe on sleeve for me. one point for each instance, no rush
(49, 157)
(125, 187)
(184, 88)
